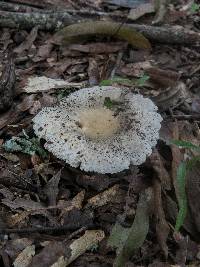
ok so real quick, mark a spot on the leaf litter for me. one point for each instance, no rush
(78, 211)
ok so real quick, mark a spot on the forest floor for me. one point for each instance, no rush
(55, 215)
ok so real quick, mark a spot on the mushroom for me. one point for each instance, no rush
(101, 129)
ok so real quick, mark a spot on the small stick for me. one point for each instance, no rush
(186, 117)
(43, 229)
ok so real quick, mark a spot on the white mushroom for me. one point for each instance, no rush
(102, 129)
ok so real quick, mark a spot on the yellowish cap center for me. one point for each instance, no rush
(98, 123)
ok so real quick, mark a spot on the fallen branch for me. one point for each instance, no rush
(168, 35)
(18, 7)
(14, 7)
(68, 227)
(56, 20)
(45, 21)
(186, 116)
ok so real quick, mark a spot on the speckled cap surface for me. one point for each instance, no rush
(74, 129)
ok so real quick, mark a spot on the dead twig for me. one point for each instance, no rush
(186, 116)
(14, 7)
(68, 227)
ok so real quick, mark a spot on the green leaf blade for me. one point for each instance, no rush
(185, 144)
(182, 200)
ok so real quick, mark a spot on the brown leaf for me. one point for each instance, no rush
(31, 206)
(187, 249)
(163, 77)
(98, 48)
(162, 227)
(15, 246)
(106, 196)
(169, 97)
(77, 219)
(161, 10)
(35, 107)
(8, 117)
(75, 203)
(25, 257)
(93, 72)
(48, 100)
(157, 163)
(50, 254)
(176, 155)
(43, 52)
(26, 103)
(83, 243)
(141, 10)
(196, 105)
(6, 193)
(134, 69)
(98, 182)
(7, 82)
(193, 193)
(18, 218)
(51, 188)
(26, 45)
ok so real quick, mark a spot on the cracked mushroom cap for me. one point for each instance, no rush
(101, 129)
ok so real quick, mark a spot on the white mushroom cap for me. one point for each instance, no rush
(84, 132)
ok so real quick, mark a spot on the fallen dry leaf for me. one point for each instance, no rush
(161, 9)
(42, 84)
(141, 10)
(9, 117)
(134, 69)
(14, 247)
(193, 193)
(7, 82)
(98, 48)
(98, 182)
(105, 197)
(26, 45)
(26, 103)
(169, 97)
(76, 202)
(43, 52)
(163, 77)
(17, 218)
(32, 207)
(50, 254)
(82, 244)
(157, 163)
(176, 155)
(187, 249)
(162, 227)
(78, 218)
(196, 105)
(93, 72)
(25, 257)
(51, 188)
